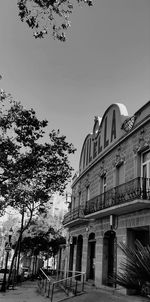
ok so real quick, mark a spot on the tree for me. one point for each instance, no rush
(45, 16)
(41, 238)
(46, 241)
(32, 169)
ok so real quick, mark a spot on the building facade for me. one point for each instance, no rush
(111, 193)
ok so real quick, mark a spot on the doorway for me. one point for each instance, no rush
(141, 234)
(79, 253)
(109, 257)
(91, 257)
(71, 257)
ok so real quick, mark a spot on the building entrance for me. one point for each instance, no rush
(109, 257)
(141, 234)
(72, 245)
(79, 254)
(91, 257)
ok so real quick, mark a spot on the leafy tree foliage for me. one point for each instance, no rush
(42, 243)
(41, 238)
(42, 235)
(34, 245)
(31, 169)
(45, 16)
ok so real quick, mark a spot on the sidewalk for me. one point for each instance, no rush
(27, 292)
(103, 295)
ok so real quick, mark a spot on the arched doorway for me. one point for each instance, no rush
(91, 257)
(109, 257)
(71, 256)
(79, 254)
(59, 261)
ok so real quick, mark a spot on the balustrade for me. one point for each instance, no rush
(138, 188)
(74, 214)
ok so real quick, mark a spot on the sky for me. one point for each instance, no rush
(105, 60)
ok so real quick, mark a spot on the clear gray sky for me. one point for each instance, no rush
(105, 60)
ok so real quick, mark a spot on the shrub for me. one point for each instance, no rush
(135, 268)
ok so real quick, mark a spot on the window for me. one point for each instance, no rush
(87, 193)
(73, 203)
(103, 189)
(104, 184)
(146, 165)
(79, 198)
(120, 175)
(145, 172)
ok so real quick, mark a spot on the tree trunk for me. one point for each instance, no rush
(12, 262)
(23, 228)
(19, 246)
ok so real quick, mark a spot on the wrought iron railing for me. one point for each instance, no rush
(138, 188)
(74, 214)
(62, 288)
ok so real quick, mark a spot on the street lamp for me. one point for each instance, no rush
(68, 197)
(7, 249)
(10, 234)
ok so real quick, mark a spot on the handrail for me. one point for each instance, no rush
(72, 284)
(44, 274)
(70, 271)
(68, 278)
(75, 213)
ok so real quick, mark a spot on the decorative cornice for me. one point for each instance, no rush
(119, 159)
(103, 170)
(143, 143)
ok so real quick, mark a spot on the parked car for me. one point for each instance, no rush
(26, 272)
(2, 271)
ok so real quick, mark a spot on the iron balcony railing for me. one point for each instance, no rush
(138, 188)
(74, 214)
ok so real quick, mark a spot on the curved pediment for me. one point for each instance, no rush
(106, 131)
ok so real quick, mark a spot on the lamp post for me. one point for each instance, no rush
(7, 249)
(68, 195)
(68, 200)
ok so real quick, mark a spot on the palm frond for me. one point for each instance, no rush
(134, 269)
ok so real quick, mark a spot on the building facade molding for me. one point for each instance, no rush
(143, 142)
(119, 158)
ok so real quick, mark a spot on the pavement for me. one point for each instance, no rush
(28, 292)
(25, 292)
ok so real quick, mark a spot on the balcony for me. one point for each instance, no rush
(74, 217)
(128, 197)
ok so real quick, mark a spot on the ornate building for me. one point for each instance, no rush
(111, 194)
